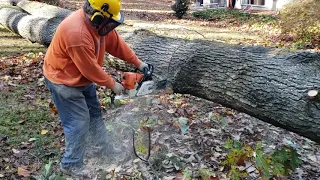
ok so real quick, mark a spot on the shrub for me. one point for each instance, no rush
(301, 20)
(180, 7)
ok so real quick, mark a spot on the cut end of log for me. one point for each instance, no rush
(312, 93)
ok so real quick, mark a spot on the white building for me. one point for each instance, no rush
(245, 4)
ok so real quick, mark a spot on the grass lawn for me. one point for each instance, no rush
(12, 44)
(30, 134)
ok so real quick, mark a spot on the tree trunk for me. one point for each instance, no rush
(32, 28)
(10, 2)
(249, 79)
(43, 10)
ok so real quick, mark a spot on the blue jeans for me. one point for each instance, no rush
(80, 113)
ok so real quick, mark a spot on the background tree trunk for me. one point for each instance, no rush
(249, 79)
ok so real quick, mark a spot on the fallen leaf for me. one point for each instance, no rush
(24, 145)
(207, 156)
(240, 161)
(123, 178)
(213, 178)
(312, 158)
(22, 121)
(169, 91)
(23, 172)
(318, 157)
(1, 175)
(179, 176)
(54, 111)
(43, 132)
(184, 128)
(207, 174)
(32, 139)
(155, 148)
(228, 111)
(15, 151)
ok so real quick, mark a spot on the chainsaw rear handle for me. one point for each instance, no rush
(147, 72)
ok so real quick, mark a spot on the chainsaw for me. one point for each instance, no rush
(135, 84)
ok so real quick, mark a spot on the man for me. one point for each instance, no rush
(73, 63)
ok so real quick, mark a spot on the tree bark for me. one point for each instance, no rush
(43, 10)
(10, 2)
(32, 28)
(249, 79)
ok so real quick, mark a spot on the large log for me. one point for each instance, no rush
(10, 2)
(32, 28)
(249, 79)
(43, 10)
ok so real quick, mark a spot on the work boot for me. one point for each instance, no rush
(75, 171)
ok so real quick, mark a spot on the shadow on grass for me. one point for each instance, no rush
(11, 50)
(11, 43)
(9, 37)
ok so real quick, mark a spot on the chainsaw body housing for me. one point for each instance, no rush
(136, 84)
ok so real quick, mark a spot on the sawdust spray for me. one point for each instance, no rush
(120, 123)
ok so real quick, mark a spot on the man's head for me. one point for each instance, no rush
(105, 15)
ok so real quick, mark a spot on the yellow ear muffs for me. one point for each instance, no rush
(97, 18)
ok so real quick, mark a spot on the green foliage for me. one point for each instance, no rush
(215, 117)
(284, 160)
(206, 173)
(183, 124)
(180, 7)
(148, 123)
(233, 15)
(140, 146)
(22, 123)
(187, 175)
(48, 173)
(301, 20)
(280, 162)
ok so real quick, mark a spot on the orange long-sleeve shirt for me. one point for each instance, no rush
(76, 53)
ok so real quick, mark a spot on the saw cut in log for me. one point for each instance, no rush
(43, 10)
(32, 28)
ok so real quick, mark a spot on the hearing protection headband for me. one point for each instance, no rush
(98, 17)
(102, 23)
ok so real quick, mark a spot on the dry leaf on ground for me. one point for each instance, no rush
(23, 172)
